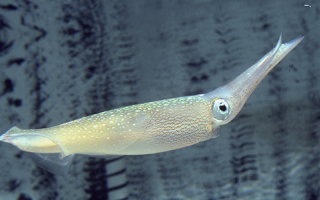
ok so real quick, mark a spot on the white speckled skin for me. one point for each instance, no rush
(139, 129)
(150, 127)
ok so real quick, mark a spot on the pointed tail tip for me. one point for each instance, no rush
(3, 137)
(6, 135)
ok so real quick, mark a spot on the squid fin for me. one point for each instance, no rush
(52, 162)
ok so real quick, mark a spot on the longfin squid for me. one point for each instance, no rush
(149, 127)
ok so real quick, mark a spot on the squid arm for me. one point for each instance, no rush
(149, 127)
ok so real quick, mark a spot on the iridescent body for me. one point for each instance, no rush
(139, 129)
(146, 128)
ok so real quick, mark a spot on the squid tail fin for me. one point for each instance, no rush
(52, 162)
(43, 150)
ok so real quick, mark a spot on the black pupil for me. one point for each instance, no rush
(223, 108)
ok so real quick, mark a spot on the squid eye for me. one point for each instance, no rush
(221, 109)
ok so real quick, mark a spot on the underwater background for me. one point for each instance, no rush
(65, 59)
